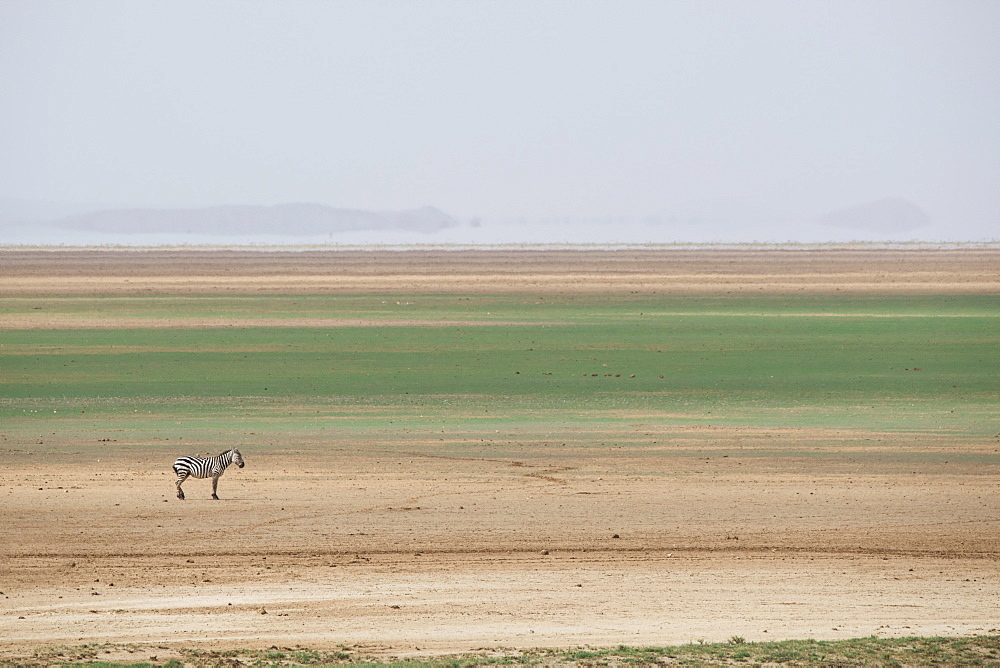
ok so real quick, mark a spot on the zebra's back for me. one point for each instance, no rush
(196, 467)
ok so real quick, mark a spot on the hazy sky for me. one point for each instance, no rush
(505, 109)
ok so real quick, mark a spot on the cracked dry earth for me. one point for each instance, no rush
(403, 553)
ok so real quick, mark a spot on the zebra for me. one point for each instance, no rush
(201, 467)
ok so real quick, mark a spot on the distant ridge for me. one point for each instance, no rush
(889, 215)
(284, 219)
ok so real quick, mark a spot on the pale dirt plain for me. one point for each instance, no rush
(404, 554)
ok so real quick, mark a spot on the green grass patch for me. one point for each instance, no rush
(894, 363)
(871, 651)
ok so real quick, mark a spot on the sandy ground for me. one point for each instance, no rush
(664, 270)
(400, 553)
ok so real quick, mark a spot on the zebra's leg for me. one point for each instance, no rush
(215, 487)
(180, 492)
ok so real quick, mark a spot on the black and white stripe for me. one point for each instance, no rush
(202, 467)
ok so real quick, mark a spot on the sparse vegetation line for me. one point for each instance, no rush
(982, 650)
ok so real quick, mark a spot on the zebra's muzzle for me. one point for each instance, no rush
(241, 465)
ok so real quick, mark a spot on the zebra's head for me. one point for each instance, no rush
(237, 457)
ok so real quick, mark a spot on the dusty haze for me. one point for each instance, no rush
(543, 121)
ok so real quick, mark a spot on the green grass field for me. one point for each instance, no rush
(886, 363)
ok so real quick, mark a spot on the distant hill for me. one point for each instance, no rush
(14, 211)
(887, 216)
(284, 219)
